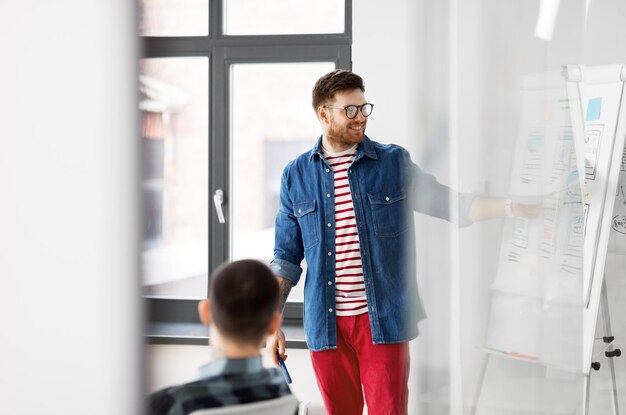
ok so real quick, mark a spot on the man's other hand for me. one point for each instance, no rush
(275, 342)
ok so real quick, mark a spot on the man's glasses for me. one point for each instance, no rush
(353, 110)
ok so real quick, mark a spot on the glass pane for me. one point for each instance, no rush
(173, 17)
(174, 169)
(277, 17)
(272, 123)
(510, 293)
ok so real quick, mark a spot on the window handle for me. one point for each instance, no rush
(218, 201)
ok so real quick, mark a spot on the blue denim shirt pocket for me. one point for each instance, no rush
(389, 212)
(306, 214)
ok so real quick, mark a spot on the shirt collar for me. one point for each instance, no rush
(225, 366)
(364, 148)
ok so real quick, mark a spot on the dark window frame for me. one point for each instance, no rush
(175, 321)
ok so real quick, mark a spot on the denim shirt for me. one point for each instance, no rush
(386, 188)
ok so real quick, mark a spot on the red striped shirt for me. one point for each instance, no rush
(350, 299)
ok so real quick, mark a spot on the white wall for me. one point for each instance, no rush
(69, 312)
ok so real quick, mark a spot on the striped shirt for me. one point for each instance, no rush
(349, 284)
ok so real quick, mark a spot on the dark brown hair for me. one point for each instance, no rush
(336, 81)
(244, 296)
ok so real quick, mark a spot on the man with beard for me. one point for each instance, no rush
(347, 207)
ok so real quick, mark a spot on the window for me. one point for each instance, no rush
(173, 17)
(253, 17)
(225, 104)
(174, 149)
(272, 122)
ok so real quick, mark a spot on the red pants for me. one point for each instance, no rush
(382, 369)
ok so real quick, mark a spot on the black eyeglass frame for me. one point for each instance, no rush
(356, 111)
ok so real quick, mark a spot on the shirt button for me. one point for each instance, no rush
(330, 253)
(299, 210)
(330, 283)
(327, 194)
(329, 225)
(387, 198)
(330, 310)
(327, 170)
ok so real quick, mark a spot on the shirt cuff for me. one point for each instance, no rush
(286, 269)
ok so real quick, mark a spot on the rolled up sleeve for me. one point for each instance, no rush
(286, 269)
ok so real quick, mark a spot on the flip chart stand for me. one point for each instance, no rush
(481, 381)
(609, 351)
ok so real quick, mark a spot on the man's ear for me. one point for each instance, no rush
(274, 323)
(204, 312)
(322, 114)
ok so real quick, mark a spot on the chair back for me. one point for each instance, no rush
(284, 405)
